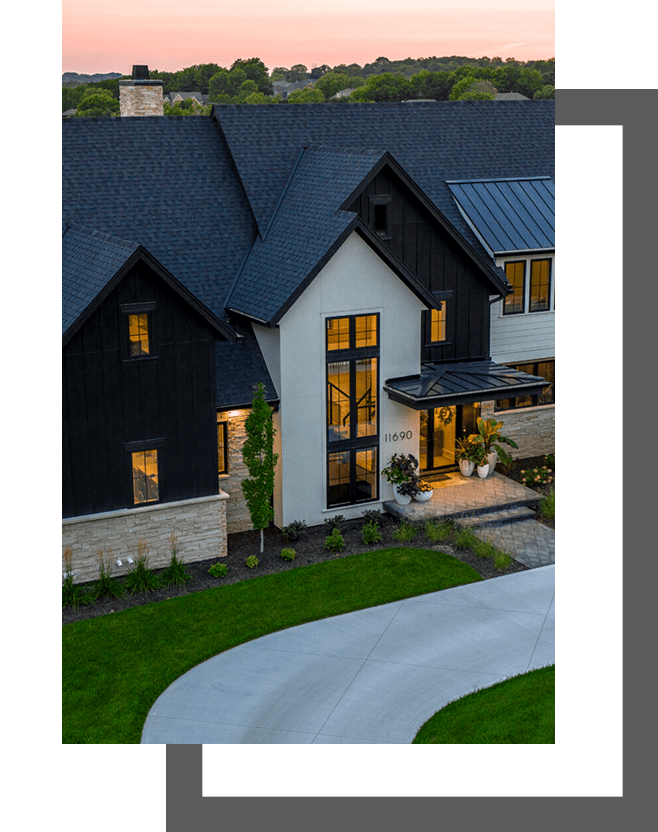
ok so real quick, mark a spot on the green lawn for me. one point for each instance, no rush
(518, 710)
(114, 667)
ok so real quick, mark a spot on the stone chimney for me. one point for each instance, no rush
(140, 96)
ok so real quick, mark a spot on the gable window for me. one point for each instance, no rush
(222, 447)
(540, 285)
(514, 303)
(145, 476)
(138, 333)
(545, 369)
(380, 215)
(352, 346)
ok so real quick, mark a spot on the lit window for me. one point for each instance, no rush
(145, 476)
(138, 334)
(222, 447)
(438, 324)
(544, 369)
(514, 303)
(540, 285)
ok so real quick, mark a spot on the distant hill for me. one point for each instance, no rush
(73, 78)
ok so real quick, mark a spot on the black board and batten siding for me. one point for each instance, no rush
(437, 260)
(111, 400)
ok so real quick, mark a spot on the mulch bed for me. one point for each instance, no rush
(309, 550)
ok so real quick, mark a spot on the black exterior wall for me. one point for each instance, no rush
(439, 263)
(111, 400)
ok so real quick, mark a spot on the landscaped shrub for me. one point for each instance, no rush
(537, 476)
(288, 554)
(547, 505)
(334, 522)
(502, 560)
(141, 577)
(405, 531)
(106, 586)
(294, 530)
(465, 539)
(175, 574)
(373, 515)
(252, 562)
(334, 542)
(370, 534)
(73, 595)
(218, 570)
(436, 531)
(484, 549)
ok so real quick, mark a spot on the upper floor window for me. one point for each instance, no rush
(533, 295)
(438, 324)
(544, 369)
(138, 334)
(380, 215)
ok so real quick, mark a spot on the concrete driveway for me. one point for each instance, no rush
(372, 676)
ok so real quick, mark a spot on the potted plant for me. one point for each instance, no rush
(489, 437)
(425, 491)
(482, 461)
(465, 454)
(401, 473)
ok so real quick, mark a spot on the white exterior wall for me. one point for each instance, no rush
(526, 337)
(355, 281)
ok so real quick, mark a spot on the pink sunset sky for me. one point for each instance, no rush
(112, 35)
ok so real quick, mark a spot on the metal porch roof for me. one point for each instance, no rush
(509, 215)
(438, 385)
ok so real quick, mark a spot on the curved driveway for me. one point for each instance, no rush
(372, 676)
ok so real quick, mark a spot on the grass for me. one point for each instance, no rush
(115, 666)
(518, 710)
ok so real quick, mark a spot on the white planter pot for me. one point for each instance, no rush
(483, 471)
(401, 499)
(493, 459)
(466, 467)
(423, 496)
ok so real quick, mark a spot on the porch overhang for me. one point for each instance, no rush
(439, 385)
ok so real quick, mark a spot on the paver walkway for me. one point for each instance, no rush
(371, 676)
(496, 508)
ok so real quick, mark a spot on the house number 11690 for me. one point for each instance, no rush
(394, 437)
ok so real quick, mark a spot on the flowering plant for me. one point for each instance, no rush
(425, 486)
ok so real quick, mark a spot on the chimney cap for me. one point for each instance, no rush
(140, 72)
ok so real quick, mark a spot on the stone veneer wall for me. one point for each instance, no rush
(199, 524)
(141, 98)
(533, 428)
(238, 518)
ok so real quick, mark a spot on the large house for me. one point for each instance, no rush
(386, 271)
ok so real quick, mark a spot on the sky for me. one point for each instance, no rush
(112, 35)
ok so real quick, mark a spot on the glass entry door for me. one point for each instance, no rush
(438, 430)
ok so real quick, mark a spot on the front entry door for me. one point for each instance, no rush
(438, 429)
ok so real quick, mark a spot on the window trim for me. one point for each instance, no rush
(375, 201)
(128, 309)
(548, 260)
(141, 446)
(528, 260)
(524, 288)
(223, 424)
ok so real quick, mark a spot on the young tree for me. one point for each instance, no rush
(260, 459)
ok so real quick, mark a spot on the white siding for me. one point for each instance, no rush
(355, 281)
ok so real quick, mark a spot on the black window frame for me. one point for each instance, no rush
(548, 260)
(128, 309)
(516, 402)
(354, 444)
(381, 201)
(144, 446)
(222, 427)
(521, 311)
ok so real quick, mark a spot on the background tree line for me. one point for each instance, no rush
(248, 81)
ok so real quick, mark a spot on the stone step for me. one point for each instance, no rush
(498, 516)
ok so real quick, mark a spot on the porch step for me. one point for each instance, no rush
(499, 516)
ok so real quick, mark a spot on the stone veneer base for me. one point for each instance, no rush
(199, 525)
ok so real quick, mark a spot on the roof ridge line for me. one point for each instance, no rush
(285, 190)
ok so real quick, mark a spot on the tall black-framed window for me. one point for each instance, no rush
(138, 338)
(352, 418)
(145, 463)
(514, 303)
(544, 369)
(540, 285)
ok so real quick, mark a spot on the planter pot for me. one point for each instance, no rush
(483, 471)
(401, 499)
(493, 459)
(466, 467)
(423, 496)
